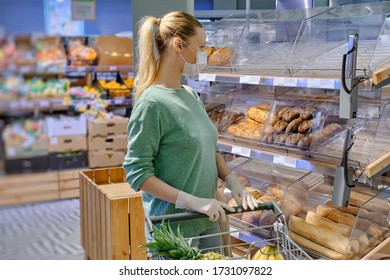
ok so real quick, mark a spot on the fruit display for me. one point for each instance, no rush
(115, 89)
(169, 245)
(24, 137)
(79, 54)
(36, 87)
(268, 252)
(84, 92)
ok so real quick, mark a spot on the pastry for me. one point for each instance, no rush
(294, 138)
(208, 50)
(281, 138)
(305, 142)
(264, 106)
(307, 113)
(221, 56)
(269, 137)
(293, 125)
(214, 106)
(257, 114)
(305, 126)
(291, 114)
(281, 111)
(247, 128)
(280, 126)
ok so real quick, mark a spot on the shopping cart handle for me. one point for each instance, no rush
(269, 205)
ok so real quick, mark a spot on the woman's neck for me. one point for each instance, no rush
(169, 74)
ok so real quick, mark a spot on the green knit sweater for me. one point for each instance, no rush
(171, 137)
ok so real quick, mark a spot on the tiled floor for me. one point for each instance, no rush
(42, 231)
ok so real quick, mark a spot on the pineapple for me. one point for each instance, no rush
(171, 246)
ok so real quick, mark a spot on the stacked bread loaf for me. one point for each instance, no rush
(254, 124)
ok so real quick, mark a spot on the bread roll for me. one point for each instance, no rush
(307, 113)
(332, 240)
(280, 126)
(305, 126)
(293, 125)
(208, 50)
(220, 56)
(281, 138)
(291, 114)
(282, 111)
(305, 142)
(293, 139)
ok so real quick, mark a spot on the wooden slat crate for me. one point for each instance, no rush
(28, 188)
(69, 183)
(112, 216)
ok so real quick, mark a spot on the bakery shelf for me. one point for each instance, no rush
(305, 199)
(302, 47)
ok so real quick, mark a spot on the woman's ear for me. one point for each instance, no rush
(177, 44)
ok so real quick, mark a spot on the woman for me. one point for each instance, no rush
(172, 147)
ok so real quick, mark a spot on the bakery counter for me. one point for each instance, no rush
(321, 228)
(299, 128)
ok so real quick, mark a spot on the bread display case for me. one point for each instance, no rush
(302, 90)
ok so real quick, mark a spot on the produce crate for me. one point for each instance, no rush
(112, 216)
(69, 183)
(99, 159)
(61, 161)
(27, 165)
(100, 127)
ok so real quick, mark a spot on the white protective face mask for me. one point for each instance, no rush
(191, 69)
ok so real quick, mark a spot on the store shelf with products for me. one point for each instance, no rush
(47, 83)
(276, 96)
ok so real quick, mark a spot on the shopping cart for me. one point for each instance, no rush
(274, 235)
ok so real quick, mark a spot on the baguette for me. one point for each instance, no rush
(349, 220)
(376, 206)
(376, 217)
(315, 247)
(315, 219)
(332, 240)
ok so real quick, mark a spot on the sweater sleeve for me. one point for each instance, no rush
(143, 142)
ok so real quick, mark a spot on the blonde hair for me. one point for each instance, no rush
(154, 36)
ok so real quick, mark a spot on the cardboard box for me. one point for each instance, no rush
(61, 161)
(105, 158)
(114, 50)
(112, 142)
(19, 151)
(65, 126)
(107, 127)
(71, 143)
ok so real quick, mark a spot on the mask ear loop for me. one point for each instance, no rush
(155, 50)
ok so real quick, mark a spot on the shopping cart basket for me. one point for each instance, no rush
(274, 235)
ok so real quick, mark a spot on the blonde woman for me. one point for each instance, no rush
(172, 147)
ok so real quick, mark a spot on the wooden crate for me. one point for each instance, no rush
(112, 216)
(28, 188)
(69, 183)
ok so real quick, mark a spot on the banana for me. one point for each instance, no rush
(272, 255)
(262, 254)
(279, 256)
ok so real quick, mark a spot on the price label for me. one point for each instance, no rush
(253, 80)
(285, 161)
(285, 81)
(320, 83)
(82, 69)
(113, 68)
(207, 77)
(241, 151)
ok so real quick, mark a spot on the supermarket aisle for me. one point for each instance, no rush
(42, 231)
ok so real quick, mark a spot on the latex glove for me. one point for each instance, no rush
(213, 208)
(239, 193)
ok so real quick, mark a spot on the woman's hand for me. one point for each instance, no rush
(239, 193)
